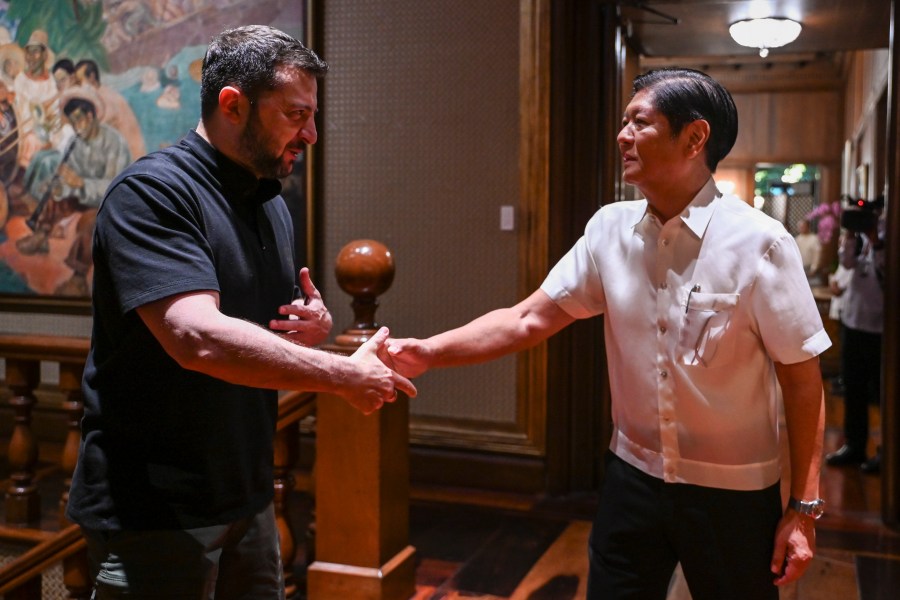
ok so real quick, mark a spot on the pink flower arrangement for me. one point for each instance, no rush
(829, 218)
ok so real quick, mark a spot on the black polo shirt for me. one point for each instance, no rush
(164, 447)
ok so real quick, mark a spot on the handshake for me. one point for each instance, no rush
(382, 365)
(387, 365)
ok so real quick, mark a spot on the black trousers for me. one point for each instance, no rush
(644, 527)
(861, 370)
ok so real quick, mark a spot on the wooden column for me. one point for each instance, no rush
(362, 464)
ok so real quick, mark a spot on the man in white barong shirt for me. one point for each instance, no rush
(706, 308)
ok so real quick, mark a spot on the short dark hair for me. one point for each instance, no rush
(74, 104)
(90, 68)
(684, 96)
(249, 58)
(65, 64)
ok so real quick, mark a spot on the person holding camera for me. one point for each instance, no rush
(862, 321)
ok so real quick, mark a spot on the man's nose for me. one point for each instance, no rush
(308, 132)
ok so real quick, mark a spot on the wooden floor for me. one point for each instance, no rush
(497, 547)
(480, 546)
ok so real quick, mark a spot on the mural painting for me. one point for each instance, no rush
(86, 87)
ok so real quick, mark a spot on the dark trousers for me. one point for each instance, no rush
(644, 527)
(861, 370)
(237, 561)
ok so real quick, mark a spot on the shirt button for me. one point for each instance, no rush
(664, 374)
(665, 241)
(662, 329)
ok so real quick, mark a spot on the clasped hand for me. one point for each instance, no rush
(381, 381)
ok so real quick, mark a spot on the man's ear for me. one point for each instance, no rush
(697, 133)
(233, 103)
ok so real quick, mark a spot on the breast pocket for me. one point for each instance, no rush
(706, 338)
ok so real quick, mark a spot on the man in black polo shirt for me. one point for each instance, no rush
(195, 328)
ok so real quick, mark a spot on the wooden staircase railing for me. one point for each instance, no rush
(23, 356)
(21, 579)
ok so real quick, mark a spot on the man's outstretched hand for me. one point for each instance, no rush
(379, 383)
(409, 357)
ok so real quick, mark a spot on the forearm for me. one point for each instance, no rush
(498, 333)
(805, 418)
(199, 337)
(244, 353)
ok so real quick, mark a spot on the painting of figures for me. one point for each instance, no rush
(87, 87)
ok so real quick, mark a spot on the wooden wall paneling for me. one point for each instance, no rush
(404, 195)
(525, 436)
(753, 130)
(534, 178)
(788, 127)
(806, 126)
(585, 116)
(890, 418)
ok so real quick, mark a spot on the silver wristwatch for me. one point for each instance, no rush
(812, 508)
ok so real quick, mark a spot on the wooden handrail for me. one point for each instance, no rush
(294, 406)
(41, 557)
(45, 347)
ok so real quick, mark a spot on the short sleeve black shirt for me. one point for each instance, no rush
(164, 447)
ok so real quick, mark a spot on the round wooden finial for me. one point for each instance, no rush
(365, 270)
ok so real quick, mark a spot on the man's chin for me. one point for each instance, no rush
(285, 170)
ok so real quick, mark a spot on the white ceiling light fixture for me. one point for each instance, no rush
(769, 32)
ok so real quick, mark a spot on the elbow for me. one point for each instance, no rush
(188, 350)
(190, 361)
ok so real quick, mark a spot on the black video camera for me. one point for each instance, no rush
(861, 216)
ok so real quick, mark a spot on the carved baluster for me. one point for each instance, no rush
(23, 503)
(73, 405)
(287, 442)
(76, 572)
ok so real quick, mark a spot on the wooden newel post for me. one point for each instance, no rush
(362, 464)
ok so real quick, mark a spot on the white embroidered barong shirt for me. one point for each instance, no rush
(695, 312)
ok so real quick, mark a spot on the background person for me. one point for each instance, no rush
(195, 328)
(810, 250)
(862, 323)
(36, 96)
(705, 304)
